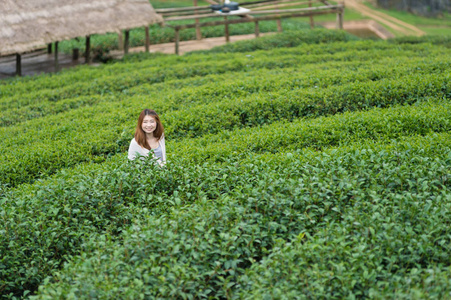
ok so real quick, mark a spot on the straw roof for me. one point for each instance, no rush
(29, 24)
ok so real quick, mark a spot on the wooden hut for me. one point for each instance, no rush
(30, 24)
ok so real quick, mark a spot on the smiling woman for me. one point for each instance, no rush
(149, 136)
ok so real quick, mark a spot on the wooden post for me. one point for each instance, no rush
(18, 64)
(75, 53)
(120, 40)
(226, 30)
(279, 23)
(306, 12)
(340, 19)
(147, 39)
(49, 48)
(126, 41)
(257, 29)
(88, 49)
(198, 33)
(177, 38)
(312, 24)
(56, 57)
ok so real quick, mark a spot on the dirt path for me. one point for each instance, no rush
(187, 46)
(393, 23)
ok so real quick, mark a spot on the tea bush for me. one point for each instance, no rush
(338, 207)
(321, 170)
(164, 67)
(53, 151)
(321, 133)
(443, 40)
(100, 200)
(285, 39)
(231, 84)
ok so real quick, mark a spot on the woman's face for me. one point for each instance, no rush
(149, 124)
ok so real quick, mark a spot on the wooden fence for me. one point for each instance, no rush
(255, 12)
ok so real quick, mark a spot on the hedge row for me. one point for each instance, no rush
(38, 148)
(320, 133)
(392, 248)
(355, 232)
(34, 111)
(97, 90)
(202, 230)
(46, 222)
(318, 76)
(159, 69)
(441, 40)
(171, 95)
(52, 150)
(267, 107)
(285, 39)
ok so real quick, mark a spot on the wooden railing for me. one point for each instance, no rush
(264, 10)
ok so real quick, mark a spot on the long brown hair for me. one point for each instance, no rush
(140, 135)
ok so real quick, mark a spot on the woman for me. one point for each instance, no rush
(149, 135)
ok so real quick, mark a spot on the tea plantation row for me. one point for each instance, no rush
(50, 220)
(320, 171)
(48, 149)
(343, 217)
(231, 84)
(117, 77)
(144, 61)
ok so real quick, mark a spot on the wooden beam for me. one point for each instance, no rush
(279, 4)
(257, 29)
(312, 24)
(120, 40)
(18, 64)
(293, 10)
(177, 40)
(332, 9)
(273, 11)
(226, 30)
(340, 19)
(198, 33)
(88, 49)
(56, 57)
(147, 46)
(75, 53)
(279, 23)
(126, 41)
(49, 48)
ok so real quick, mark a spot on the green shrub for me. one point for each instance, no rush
(285, 39)
(380, 125)
(160, 68)
(52, 150)
(296, 161)
(332, 206)
(44, 224)
(103, 200)
(442, 40)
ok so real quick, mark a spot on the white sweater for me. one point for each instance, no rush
(136, 150)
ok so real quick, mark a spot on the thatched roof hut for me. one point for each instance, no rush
(29, 24)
